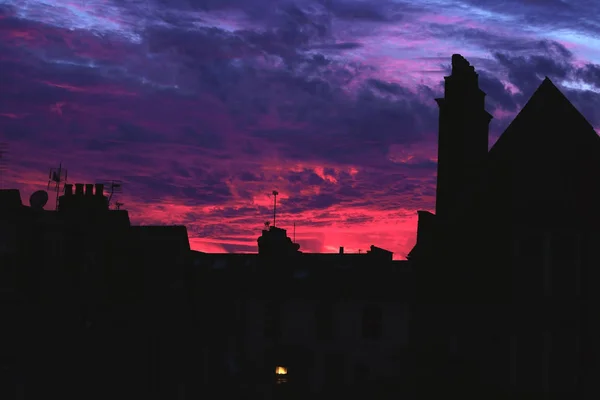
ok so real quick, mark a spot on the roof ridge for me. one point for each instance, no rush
(547, 90)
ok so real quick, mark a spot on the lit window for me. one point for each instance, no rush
(281, 374)
(281, 370)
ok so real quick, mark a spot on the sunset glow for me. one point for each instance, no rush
(203, 109)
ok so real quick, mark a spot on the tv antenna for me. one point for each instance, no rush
(3, 161)
(118, 205)
(113, 186)
(56, 177)
(275, 194)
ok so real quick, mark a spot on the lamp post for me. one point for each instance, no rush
(275, 194)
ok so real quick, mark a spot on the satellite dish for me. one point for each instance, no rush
(38, 199)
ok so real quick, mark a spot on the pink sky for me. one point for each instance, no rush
(202, 112)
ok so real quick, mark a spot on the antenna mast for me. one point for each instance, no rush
(114, 186)
(56, 177)
(275, 194)
(3, 160)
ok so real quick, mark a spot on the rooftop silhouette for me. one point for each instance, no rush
(496, 300)
(503, 269)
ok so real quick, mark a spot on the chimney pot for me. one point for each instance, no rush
(89, 189)
(79, 189)
(69, 189)
(99, 189)
(341, 249)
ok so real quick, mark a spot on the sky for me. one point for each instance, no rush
(204, 107)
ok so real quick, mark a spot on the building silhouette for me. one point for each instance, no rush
(498, 291)
(505, 269)
(92, 307)
(336, 323)
(97, 308)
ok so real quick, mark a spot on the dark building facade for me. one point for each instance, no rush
(93, 304)
(97, 308)
(499, 291)
(505, 304)
(330, 324)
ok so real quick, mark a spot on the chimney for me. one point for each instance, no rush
(99, 189)
(341, 249)
(68, 189)
(89, 189)
(79, 189)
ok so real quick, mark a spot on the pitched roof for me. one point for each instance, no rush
(544, 164)
(548, 107)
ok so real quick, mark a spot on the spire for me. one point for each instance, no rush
(460, 66)
(462, 139)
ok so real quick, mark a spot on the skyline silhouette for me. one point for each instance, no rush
(203, 111)
(511, 316)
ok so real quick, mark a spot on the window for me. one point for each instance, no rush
(334, 370)
(272, 320)
(324, 320)
(361, 373)
(281, 374)
(372, 322)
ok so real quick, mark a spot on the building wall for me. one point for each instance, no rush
(382, 356)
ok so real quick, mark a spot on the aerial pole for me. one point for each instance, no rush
(275, 194)
(3, 160)
(56, 177)
(113, 186)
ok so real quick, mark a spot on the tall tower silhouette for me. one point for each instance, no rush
(462, 141)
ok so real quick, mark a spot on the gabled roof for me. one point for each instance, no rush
(545, 105)
(543, 167)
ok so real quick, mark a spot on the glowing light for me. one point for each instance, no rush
(281, 370)
(281, 373)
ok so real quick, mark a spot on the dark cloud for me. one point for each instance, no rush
(549, 14)
(358, 219)
(497, 94)
(587, 102)
(388, 88)
(342, 126)
(382, 11)
(590, 74)
(495, 42)
(337, 46)
(208, 189)
(249, 177)
(306, 177)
